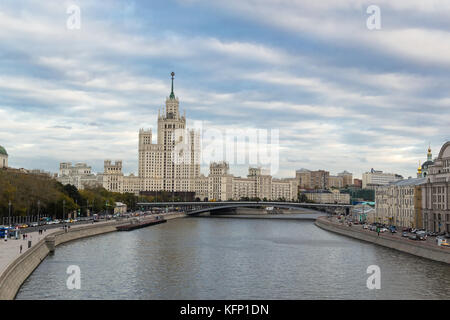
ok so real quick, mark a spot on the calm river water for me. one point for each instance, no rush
(211, 258)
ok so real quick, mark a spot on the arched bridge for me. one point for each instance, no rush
(194, 208)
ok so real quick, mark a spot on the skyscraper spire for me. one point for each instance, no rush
(172, 95)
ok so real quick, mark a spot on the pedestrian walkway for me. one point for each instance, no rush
(10, 250)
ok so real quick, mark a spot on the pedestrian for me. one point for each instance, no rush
(20, 248)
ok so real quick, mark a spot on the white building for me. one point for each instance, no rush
(114, 180)
(376, 178)
(79, 175)
(3, 158)
(173, 163)
(220, 185)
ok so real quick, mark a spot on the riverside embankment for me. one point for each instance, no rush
(20, 267)
(417, 248)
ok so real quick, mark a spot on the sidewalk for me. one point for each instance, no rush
(10, 250)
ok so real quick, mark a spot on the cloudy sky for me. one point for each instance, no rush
(342, 96)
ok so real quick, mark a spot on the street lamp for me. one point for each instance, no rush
(39, 207)
(9, 213)
(64, 216)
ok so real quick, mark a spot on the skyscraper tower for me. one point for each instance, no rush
(158, 167)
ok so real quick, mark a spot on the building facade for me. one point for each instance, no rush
(79, 175)
(173, 163)
(357, 183)
(114, 180)
(308, 179)
(397, 203)
(220, 185)
(376, 178)
(347, 178)
(335, 182)
(326, 196)
(436, 193)
(3, 158)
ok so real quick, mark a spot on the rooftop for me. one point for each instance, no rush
(409, 182)
(3, 151)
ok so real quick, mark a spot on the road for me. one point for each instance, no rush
(430, 242)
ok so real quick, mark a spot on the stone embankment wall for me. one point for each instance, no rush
(414, 247)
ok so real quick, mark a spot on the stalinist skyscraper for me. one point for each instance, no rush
(173, 163)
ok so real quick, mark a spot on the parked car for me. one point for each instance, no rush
(365, 226)
(412, 237)
(34, 224)
(405, 234)
(421, 235)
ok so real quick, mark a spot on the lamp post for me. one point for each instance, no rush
(64, 215)
(9, 213)
(39, 207)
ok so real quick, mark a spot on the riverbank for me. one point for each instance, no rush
(416, 248)
(18, 267)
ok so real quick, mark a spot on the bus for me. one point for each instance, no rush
(4, 231)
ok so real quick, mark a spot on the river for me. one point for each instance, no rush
(228, 258)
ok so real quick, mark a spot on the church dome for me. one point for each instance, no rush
(426, 164)
(3, 151)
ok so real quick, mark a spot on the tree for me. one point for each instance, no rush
(302, 198)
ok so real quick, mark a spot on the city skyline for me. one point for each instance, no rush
(338, 102)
